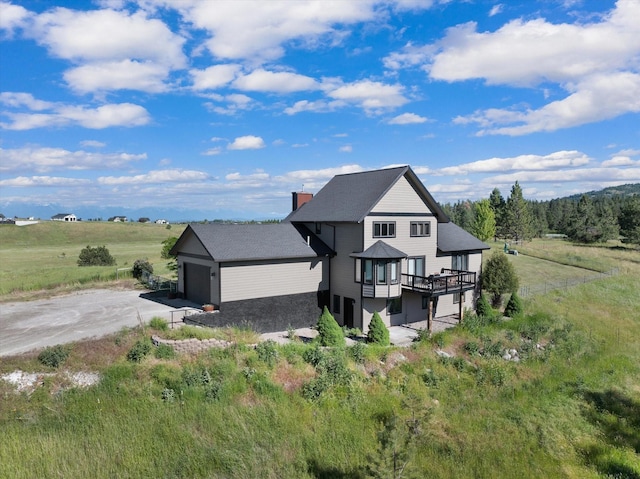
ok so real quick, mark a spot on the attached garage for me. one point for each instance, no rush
(197, 282)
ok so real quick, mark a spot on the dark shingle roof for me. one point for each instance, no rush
(349, 198)
(231, 242)
(452, 238)
(380, 250)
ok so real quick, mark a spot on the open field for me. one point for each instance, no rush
(568, 409)
(44, 255)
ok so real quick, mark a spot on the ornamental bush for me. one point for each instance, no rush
(98, 256)
(378, 332)
(329, 332)
(141, 266)
(54, 356)
(514, 306)
(483, 308)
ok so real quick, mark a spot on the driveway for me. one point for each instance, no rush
(84, 314)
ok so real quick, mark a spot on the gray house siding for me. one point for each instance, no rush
(246, 280)
(348, 239)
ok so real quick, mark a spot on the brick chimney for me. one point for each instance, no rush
(300, 198)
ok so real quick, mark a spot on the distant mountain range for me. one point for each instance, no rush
(177, 215)
(630, 189)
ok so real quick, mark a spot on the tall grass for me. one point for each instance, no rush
(44, 255)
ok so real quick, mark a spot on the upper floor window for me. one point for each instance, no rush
(386, 229)
(460, 262)
(420, 228)
(415, 266)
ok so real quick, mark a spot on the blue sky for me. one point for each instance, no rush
(220, 109)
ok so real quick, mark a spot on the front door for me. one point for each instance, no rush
(348, 312)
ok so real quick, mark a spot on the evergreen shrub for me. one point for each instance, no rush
(378, 332)
(329, 332)
(514, 306)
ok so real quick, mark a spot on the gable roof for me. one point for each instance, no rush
(242, 242)
(61, 215)
(380, 250)
(349, 198)
(452, 238)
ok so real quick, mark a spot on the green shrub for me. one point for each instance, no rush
(483, 308)
(140, 350)
(514, 306)
(141, 266)
(98, 256)
(357, 352)
(267, 352)
(164, 351)
(313, 355)
(499, 277)
(54, 356)
(159, 323)
(329, 332)
(472, 348)
(168, 395)
(378, 332)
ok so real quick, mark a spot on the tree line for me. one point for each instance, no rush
(584, 219)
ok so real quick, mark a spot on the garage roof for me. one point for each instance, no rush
(243, 242)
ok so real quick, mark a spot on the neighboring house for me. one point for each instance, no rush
(119, 219)
(382, 242)
(64, 217)
(162, 222)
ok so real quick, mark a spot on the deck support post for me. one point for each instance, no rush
(429, 313)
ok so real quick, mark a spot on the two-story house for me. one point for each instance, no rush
(370, 241)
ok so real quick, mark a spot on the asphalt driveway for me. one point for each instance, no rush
(84, 314)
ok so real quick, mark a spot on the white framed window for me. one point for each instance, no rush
(393, 272)
(415, 266)
(358, 270)
(460, 262)
(384, 229)
(420, 228)
(381, 272)
(368, 271)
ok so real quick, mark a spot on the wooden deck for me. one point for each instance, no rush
(449, 281)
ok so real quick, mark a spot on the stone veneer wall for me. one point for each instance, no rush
(191, 345)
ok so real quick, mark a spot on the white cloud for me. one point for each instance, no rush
(215, 76)
(529, 52)
(552, 161)
(118, 75)
(599, 175)
(319, 106)
(28, 181)
(212, 151)
(12, 17)
(598, 97)
(248, 142)
(279, 82)
(373, 97)
(596, 63)
(18, 99)
(113, 49)
(59, 115)
(496, 9)
(407, 119)
(158, 176)
(256, 30)
(345, 149)
(46, 159)
(93, 143)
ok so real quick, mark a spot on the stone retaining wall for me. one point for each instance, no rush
(191, 345)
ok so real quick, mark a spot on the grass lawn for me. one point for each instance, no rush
(44, 255)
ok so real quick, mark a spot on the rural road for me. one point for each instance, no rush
(31, 325)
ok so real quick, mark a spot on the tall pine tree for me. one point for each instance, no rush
(498, 205)
(518, 220)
